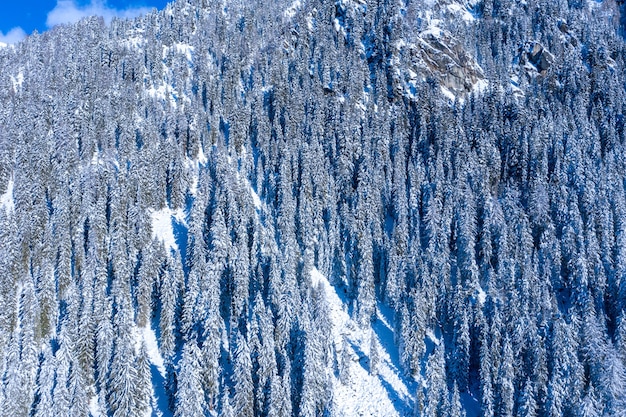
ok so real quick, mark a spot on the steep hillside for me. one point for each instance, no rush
(311, 208)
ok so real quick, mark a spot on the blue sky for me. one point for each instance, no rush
(21, 17)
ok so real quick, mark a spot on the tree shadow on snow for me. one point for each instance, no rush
(160, 396)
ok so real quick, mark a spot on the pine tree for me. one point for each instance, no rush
(244, 393)
(280, 403)
(436, 390)
(590, 405)
(456, 410)
(45, 383)
(227, 409)
(77, 386)
(345, 362)
(528, 403)
(189, 400)
(374, 355)
(122, 385)
(506, 380)
(144, 380)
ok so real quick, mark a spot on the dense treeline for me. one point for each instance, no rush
(497, 221)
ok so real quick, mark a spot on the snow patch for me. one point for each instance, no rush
(461, 10)
(17, 81)
(162, 228)
(160, 92)
(158, 401)
(6, 200)
(290, 12)
(481, 296)
(194, 166)
(384, 394)
(310, 23)
(201, 158)
(148, 336)
(255, 198)
(431, 335)
(449, 94)
(185, 49)
(96, 159)
(434, 29)
(94, 407)
(481, 86)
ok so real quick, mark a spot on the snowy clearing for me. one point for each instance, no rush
(162, 228)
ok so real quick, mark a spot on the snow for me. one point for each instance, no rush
(162, 228)
(310, 22)
(185, 49)
(470, 404)
(166, 89)
(481, 295)
(255, 199)
(96, 159)
(149, 337)
(3, 45)
(17, 81)
(194, 166)
(387, 394)
(459, 9)
(201, 157)
(136, 39)
(135, 42)
(336, 25)
(160, 91)
(290, 12)
(481, 86)
(159, 401)
(94, 407)
(431, 336)
(449, 94)
(6, 200)
(433, 29)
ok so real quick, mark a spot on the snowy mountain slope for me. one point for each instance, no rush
(176, 183)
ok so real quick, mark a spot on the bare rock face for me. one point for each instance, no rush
(535, 58)
(446, 60)
(437, 54)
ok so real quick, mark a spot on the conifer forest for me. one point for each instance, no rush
(317, 208)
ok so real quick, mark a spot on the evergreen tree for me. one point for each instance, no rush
(345, 361)
(244, 394)
(189, 394)
(374, 355)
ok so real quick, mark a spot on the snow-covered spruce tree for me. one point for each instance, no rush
(243, 403)
(189, 394)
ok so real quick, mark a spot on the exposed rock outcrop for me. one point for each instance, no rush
(437, 54)
(535, 58)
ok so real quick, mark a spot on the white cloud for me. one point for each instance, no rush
(67, 11)
(13, 36)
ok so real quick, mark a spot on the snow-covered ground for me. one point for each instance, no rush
(17, 81)
(255, 199)
(6, 200)
(162, 227)
(159, 397)
(389, 393)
